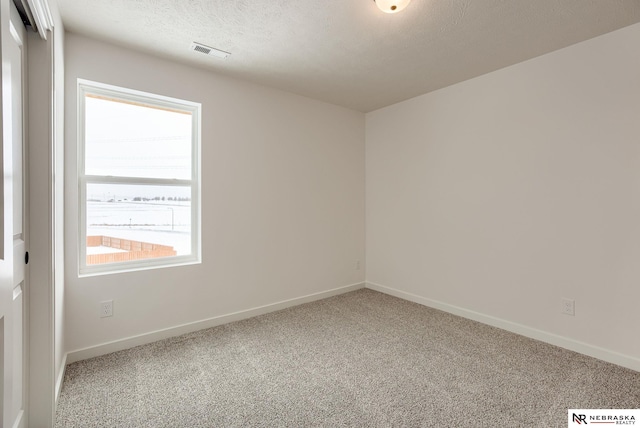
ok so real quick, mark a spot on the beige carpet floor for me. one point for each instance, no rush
(362, 359)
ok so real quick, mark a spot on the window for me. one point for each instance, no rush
(138, 178)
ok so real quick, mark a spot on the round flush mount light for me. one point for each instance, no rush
(392, 6)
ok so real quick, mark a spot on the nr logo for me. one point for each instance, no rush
(580, 419)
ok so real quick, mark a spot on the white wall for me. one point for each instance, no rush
(498, 196)
(282, 208)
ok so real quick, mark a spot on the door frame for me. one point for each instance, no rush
(41, 225)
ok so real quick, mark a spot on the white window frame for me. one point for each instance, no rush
(95, 88)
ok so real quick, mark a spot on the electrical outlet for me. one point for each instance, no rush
(569, 307)
(358, 265)
(106, 309)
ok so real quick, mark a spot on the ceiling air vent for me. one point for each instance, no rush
(208, 50)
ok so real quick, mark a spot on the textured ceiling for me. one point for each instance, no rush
(348, 52)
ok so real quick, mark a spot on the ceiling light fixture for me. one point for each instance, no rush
(392, 6)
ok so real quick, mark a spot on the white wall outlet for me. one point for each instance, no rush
(569, 307)
(106, 309)
(357, 264)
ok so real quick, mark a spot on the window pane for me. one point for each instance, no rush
(124, 139)
(134, 222)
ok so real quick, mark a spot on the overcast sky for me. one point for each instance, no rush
(130, 140)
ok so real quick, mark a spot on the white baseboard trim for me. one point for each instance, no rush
(154, 336)
(607, 355)
(60, 377)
